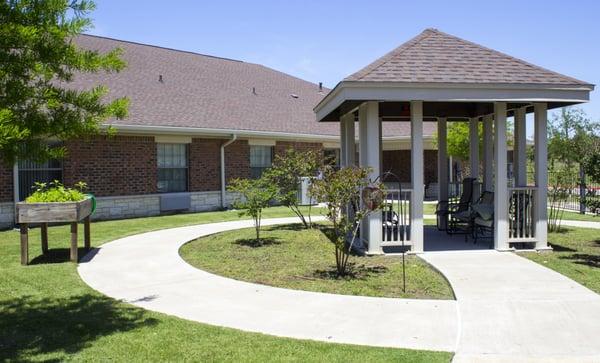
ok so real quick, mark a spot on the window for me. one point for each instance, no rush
(332, 157)
(172, 168)
(261, 158)
(31, 172)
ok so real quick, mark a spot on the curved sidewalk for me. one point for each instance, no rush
(146, 270)
(508, 308)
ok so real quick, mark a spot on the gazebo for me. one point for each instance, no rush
(441, 78)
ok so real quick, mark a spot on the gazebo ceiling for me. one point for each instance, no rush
(455, 78)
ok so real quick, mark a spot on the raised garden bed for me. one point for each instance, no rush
(44, 213)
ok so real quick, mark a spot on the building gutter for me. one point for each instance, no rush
(223, 146)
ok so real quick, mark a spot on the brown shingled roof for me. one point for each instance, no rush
(434, 56)
(201, 91)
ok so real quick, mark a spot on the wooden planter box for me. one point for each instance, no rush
(44, 213)
(53, 212)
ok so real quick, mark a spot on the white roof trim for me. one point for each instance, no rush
(226, 133)
(450, 92)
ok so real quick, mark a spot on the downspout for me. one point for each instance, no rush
(223, 146)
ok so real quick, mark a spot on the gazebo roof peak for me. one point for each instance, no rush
(437, 57)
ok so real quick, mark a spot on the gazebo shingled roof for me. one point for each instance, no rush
(469, 75)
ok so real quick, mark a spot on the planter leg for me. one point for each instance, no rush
(24, 244)
(86, 233)
(44, 233)
(74, 241)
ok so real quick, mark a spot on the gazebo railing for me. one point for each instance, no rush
(521, 223)
(396, 217)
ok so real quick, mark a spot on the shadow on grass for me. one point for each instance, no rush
(584, 259)
(30, 326)
(558, 248)
(263, 242)
(57, 255)
(288, 227)
(355, 272)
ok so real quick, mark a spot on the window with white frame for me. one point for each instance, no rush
(261, 158)
(172, 168)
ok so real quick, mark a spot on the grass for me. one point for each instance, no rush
(574, 216)
(296, 258)
(576, 255)
(48, 314)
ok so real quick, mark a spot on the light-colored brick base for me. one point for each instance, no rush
(7, 215)
(149, 205)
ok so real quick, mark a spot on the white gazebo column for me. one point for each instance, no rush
(343, 150)
(442, 166)
(474, 146)
(370, 156)
(500, 180)
(519, 149)
(349, 140)
(488, 153)
(541, 175)
(418, 190)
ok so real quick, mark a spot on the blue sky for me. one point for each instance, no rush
(324, 41)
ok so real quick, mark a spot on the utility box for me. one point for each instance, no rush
(304, 197)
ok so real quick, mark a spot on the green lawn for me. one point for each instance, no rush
(48, 314)
(296, 258)
(573, 216)
(576, 255)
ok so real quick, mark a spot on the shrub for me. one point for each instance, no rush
(56, 192)
(256, 194)
(345, 208)
(286, 174)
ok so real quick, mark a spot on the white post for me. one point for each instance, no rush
(370, 156)
(519, 149)
(500, 187)
(442, 166)
(474, 146)
(343, 141)
(541, 175)
(488, 153)
(350, 140)
(362, 135)
(418, 190)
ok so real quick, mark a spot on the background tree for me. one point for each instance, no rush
(38, 59)
(342, 188)
(286, 174)
(255, 195)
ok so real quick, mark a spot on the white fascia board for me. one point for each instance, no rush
(467, 94)
(450, 92)
(206, 132)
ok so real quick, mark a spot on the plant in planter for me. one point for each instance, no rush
(56, 192)
(51, 203)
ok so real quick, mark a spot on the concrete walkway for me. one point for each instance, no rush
(146, 270)
(513, 310)
(508, 308)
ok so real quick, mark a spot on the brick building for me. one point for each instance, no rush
(190, 115)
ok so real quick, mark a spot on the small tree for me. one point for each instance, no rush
(255, 195)
(345, 208)
(286, 174)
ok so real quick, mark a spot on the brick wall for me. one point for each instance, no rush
(6, 183)
(399, 163)
(237, 160)
(119, 165)
(205, 164)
